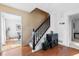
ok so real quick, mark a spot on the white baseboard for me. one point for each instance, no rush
(74, 45)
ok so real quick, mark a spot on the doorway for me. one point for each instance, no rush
(75, 27)
(11, 34)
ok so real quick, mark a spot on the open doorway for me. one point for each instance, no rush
(75, 27)
(11, 34)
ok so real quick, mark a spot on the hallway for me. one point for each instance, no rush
(56, 51)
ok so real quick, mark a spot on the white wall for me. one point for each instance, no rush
(3, 30)
(0, 31)
(63, 13)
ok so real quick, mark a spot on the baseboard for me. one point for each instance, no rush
(74, 45)
(60, 43)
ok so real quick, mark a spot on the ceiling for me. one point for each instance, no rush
(29, 6)
(49, 7)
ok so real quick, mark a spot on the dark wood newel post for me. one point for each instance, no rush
(34, 41)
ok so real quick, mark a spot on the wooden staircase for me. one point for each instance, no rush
(41, 27)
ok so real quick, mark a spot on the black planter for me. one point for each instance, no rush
(50, 42)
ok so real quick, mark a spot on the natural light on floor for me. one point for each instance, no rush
(76, 54)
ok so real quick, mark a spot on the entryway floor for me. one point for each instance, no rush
(11, 43)
(27, 51)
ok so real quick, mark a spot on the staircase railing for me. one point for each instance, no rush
(40, 31)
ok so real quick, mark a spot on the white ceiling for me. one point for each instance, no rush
(29, 6)
(49, 7)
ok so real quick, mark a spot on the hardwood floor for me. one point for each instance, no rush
(56, 51)
(11, 43)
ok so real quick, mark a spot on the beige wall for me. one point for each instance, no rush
(29, 20)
